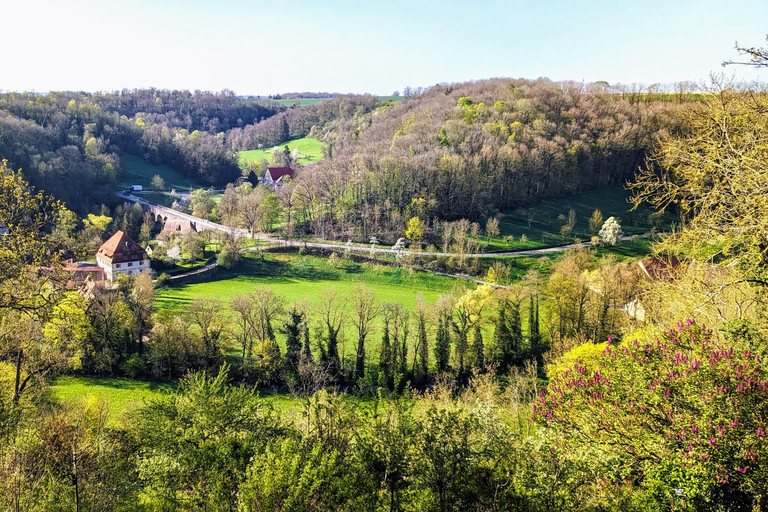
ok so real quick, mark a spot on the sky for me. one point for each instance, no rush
(255, 47)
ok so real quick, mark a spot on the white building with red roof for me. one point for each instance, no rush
(121, 255)
(275, 175)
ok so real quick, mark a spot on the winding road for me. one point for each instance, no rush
(169, 212)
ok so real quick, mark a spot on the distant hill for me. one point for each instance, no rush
(477, 148)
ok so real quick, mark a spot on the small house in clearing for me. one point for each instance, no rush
(275, 175)
(121, 255)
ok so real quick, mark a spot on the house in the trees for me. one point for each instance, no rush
(121, 255)
(275, 175)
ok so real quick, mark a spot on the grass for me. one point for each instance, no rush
(541, 225)
(307, 277)
(299, 278)
(303, 102)
(137, 171)
(121, 395)
(311, 148)
(166, 200)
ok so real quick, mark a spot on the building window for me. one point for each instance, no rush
(130, 264)
(117, 266)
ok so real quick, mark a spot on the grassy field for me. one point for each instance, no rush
(121, 395)
(303, 102)
(137, 171)
(307, 277)
(125, 395)
(309, 147)
(541, 223)
(161, 199)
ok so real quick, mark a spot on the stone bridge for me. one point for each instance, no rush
(163, 214)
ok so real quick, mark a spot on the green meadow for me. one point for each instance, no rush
(540, 223)
(309, 278)
(312, 149)
(302, 102)
(137, 171)
(119, 395)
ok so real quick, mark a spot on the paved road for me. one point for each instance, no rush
(340, 247)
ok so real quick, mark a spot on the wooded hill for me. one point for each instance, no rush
(471, 150)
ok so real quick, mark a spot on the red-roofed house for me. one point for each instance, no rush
(275, 175)
(121, 255)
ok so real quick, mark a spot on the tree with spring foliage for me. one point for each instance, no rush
(714, 176)
(684, 414)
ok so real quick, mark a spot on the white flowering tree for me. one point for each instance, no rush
(611, 232)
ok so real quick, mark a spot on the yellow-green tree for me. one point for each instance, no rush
(415, 229)
(467, 313)
(714, 176)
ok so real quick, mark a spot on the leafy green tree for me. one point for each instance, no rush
(201, 203)
(270, 212)
(25, 249)
(478, 347)
(196, 443)
(595, 222)
(157, 183)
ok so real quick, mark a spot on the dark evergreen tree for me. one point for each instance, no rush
(292, 329)
(306, 350)
(385, 353)
(442, 344)
(502, 338)
(479, 347)
(422, 370)
(534, 335)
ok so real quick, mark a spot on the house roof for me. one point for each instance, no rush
(121, 248)
(278, 172)
(183, 226)
(658, 269)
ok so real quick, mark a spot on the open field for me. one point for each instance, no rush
(125, 395)
(121, 395)
(137, 171)
(540, 223)
(311, 148)
(303, 102)
(306, 277)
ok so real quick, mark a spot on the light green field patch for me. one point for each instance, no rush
(311, 148)
(137, 171)
(120, 395)
(302, 102)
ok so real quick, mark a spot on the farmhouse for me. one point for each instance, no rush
(275, 175)
(121, 255)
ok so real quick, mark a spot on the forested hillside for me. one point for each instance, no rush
(69, 143)
(471, 150)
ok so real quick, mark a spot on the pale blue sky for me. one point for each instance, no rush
(257, 47)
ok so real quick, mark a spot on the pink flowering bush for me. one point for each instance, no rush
(687, 415)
